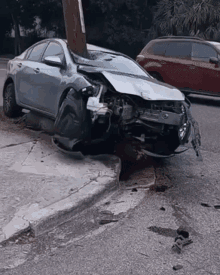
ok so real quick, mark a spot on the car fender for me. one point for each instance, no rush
(77, 83)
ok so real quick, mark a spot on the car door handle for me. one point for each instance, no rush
(19, 65)
(37, 70)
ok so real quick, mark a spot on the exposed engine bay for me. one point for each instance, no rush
(100, 113)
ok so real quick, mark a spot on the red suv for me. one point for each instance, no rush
(188, 63)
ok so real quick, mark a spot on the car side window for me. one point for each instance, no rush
(37, 51)
(158, 48)
(179, 50)
(53, 49)
(203, 52)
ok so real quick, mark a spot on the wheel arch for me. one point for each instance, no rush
(155, 73)
(8, 81)
(63, 96)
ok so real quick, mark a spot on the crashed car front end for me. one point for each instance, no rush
(160, 126)
(120, 106)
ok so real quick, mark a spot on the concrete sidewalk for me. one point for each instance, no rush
(41, 187)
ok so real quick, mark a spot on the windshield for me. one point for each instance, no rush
(109, 61)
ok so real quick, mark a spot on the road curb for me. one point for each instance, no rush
(42, 220)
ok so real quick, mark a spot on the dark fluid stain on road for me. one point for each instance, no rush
(177, 267)
(159, 188)
(167, 232)
(205, 205)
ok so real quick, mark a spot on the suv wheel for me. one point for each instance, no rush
(10, 107)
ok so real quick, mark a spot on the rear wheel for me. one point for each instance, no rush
(10, 107)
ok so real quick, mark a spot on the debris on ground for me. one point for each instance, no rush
(181, 240)
(162, 208)
(217, 206)
(134, 190)
(177, 267)
(106, 216)
(183, 233)
(159, 188)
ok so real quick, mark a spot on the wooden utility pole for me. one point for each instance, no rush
(75, 26)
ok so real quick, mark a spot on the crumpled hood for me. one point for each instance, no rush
(149, 89)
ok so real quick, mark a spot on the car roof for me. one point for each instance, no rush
(192, 38)
(172, 37)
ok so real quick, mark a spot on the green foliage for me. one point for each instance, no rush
(195, 17)
(123, 23)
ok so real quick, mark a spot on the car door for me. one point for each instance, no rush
(27, 77)
(177, 61)
(49, 83)
(152, 58)
(208, 73)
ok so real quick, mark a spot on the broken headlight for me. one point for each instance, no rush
(184, 130)
(87, 91)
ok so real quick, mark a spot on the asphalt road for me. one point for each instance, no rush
(140, 241)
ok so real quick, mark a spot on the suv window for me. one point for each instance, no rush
(37, 52)
(179, 49)
(203, 52)
(53, 49)
(158, 48)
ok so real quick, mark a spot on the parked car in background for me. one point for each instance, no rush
(104, 97)
(189, 63)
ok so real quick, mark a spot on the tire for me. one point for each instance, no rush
(10, 107)
(157, 76)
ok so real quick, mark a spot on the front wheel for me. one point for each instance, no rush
(10, 107)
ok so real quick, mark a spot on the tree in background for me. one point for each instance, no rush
(122, 24)
(17, 14)
(25, 13)
(10, 9)
(189, 17)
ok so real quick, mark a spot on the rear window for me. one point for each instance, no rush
(179, 49)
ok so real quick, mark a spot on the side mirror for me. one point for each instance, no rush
(53, 61)
(213, 60)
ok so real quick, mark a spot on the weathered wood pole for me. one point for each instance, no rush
(75, 26)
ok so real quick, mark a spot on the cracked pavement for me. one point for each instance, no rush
(38, 182)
